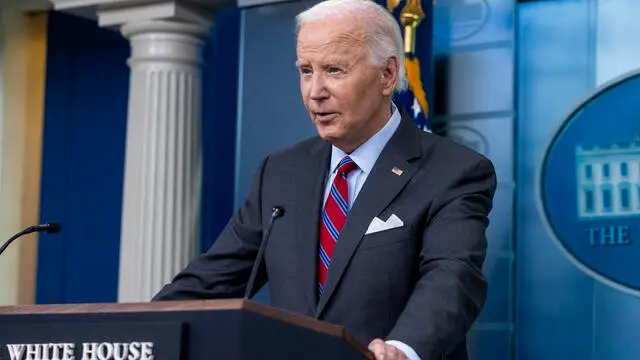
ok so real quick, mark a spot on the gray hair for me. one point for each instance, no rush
(383, 39)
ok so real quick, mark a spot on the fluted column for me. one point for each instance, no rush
(161, 211)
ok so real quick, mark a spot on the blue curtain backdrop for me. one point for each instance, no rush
(83, 161)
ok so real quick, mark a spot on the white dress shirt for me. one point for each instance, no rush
(365, 157)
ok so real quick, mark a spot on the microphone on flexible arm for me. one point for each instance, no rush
(50, 228)
(276, 212)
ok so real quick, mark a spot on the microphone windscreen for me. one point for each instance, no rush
(53, 227)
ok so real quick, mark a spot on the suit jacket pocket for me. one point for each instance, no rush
(384, 237)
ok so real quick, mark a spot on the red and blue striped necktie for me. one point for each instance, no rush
(334, 216)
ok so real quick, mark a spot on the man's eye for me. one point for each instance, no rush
(305, 71)
(334, 70)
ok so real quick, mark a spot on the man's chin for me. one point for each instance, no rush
(337, 141)
(328, 135)
(336, 136)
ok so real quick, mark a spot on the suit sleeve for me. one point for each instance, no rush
(223, 271)
(451, 289)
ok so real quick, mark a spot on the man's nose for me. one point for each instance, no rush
(318, 89)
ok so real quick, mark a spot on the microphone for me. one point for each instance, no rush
(50, 228)
(276, 212)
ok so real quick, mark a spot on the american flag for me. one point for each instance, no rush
(415, 100)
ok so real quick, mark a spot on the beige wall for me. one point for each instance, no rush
(23, 38)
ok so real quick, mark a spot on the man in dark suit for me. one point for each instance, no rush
(384, 230)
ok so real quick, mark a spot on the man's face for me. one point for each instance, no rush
(342, 90)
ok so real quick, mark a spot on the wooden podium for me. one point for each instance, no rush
(171, 330)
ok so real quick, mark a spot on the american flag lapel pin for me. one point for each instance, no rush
(397, 171)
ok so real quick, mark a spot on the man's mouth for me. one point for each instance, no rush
(324, 116)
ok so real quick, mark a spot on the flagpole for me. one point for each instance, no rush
(410, 17)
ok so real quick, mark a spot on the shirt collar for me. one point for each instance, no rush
(365, 155)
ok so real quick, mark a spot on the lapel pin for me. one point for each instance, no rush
(397, 171)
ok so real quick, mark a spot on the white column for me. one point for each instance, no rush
(161, 210)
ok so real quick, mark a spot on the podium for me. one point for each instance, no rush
(170, 330)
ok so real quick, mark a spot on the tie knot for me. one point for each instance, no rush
(346, 165)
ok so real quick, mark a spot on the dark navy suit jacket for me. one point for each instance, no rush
(421, 283)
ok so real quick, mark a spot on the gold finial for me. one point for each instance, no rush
(410, 17)
(392, 5)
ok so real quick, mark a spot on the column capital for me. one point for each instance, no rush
(113, 13)
(166, 42)
(132, 29)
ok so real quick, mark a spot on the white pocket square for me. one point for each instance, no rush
(379, 225)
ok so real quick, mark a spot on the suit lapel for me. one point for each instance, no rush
(309, 190)
(380, 188)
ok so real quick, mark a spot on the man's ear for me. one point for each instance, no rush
(390, 76)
